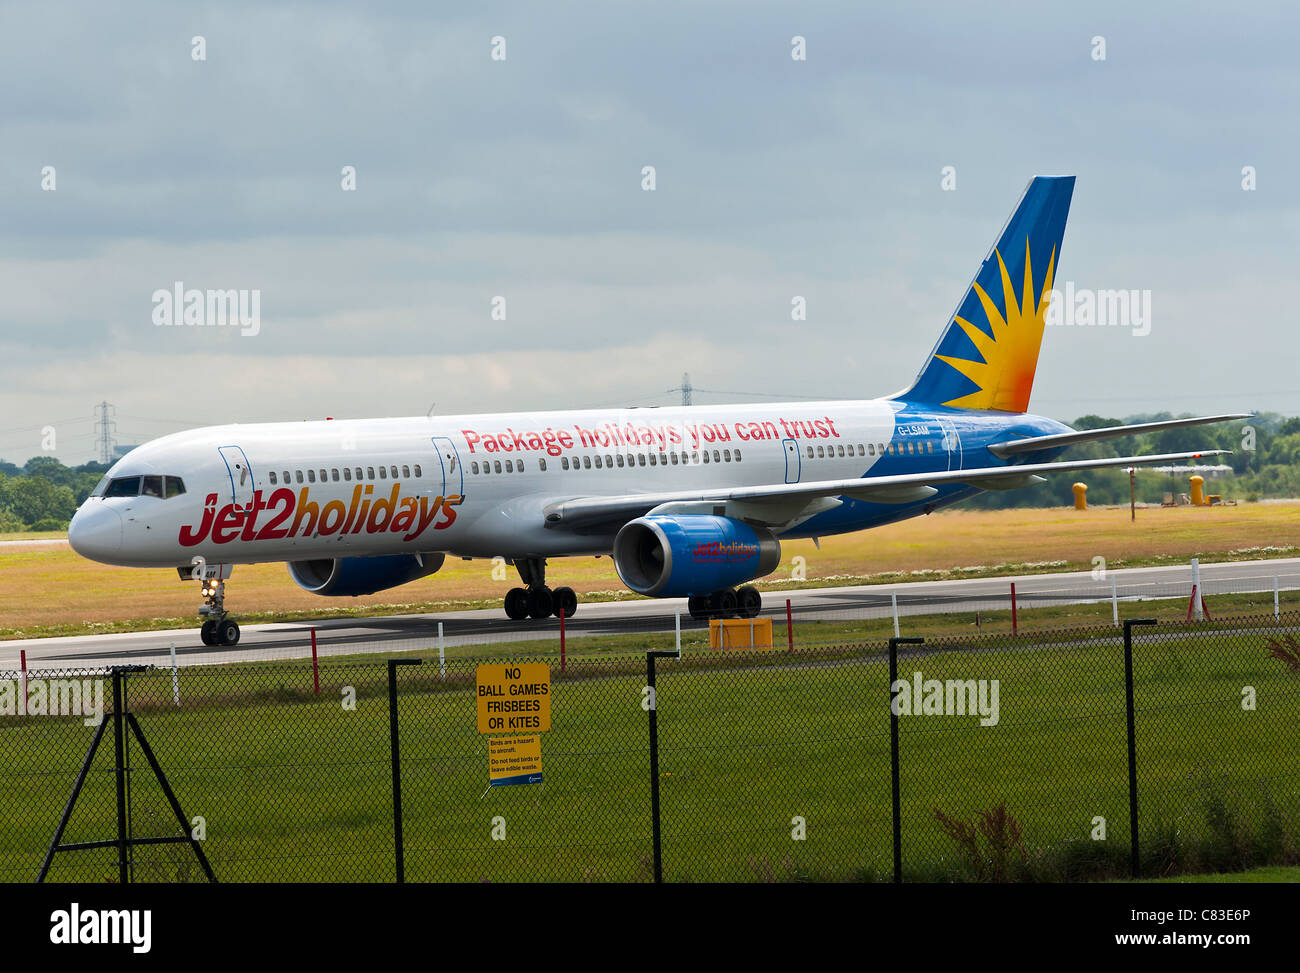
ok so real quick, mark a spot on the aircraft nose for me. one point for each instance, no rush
(96, 531)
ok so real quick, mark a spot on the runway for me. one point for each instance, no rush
(292, 640)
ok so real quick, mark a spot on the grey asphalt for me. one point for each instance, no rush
(292, 640)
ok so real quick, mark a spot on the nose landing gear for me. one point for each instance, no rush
(537, 600)
(219, 628)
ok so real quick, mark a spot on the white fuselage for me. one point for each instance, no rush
(464, 485)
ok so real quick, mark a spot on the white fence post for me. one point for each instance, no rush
(1114, 601)
(1198, 594)
(893, 600)
(442, 654)
(176, 678)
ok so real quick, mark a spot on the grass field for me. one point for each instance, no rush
(295, 787)
(49, 590)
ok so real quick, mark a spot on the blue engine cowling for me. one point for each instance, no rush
(362, 575)
(692, 554)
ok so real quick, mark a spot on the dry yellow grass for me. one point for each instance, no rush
(49, 589)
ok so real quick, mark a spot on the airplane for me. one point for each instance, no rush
(689, 502)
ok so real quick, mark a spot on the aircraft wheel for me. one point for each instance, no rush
(208, 632)
(541, 602)
(566, 600)
(723, 603)
(698, 606)
(227, 632)
(517, 604)
(748, 601)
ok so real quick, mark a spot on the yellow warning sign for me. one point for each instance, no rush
(513, 698)
(515, 760)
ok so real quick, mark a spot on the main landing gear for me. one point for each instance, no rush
(536, 600)
(219, 629)
(742, 602)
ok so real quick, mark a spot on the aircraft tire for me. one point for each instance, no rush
(541, 602)
(516, 604)
(566, 600)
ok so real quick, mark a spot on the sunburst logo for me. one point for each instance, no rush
(1009, 349)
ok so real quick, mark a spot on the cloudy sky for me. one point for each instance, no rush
(522, 178)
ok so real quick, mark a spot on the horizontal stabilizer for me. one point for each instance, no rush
(1036, 443)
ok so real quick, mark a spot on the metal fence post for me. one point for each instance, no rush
(894, 643)
(119, 776)
(654, 758)
(1132, 740)
(399, 854)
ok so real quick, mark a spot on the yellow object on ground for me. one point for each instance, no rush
(740, 633)
(1198, 490)
(1080, 496)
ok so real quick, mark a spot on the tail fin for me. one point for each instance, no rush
(988, 353)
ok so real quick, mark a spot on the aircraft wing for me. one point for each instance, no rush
(1035, 443)
(783, 503)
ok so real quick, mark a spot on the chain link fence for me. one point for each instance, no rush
(1012, 753)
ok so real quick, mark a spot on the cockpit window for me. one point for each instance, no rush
(100, 486)
(123, 486)
(175, 487)
(152, 487)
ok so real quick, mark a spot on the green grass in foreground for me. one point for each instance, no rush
(1269, 873)
(297, 787)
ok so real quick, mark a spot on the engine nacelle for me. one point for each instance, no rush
(362, 575)
(692, 554)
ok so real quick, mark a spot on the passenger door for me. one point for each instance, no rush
(793, 461)
(453, 477)
(241, 476)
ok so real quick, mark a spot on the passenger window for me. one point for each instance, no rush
(726, 456)
(620, 460)
(564, 462)
(359, 476)
(152, 487)
(541, 464)
(334, 475)
(871, 449)
(417, 470)
(737, 456)
(510, 466)
(586, 462)
(406, 472)
(598, 463)
(497, 465)
(861, 451)
(810, 452)
(609, 461)
(175, 486)
(841, 450)
(273, 478)
(393, 470)
(347, 473)
(929, 447)
(473, 467)
(821, 453)
(717, 457)
(311, 476)
(370, 472)
(674, 456)
(640, 460)
(323, 477)
(519, 466)
(383, 473)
